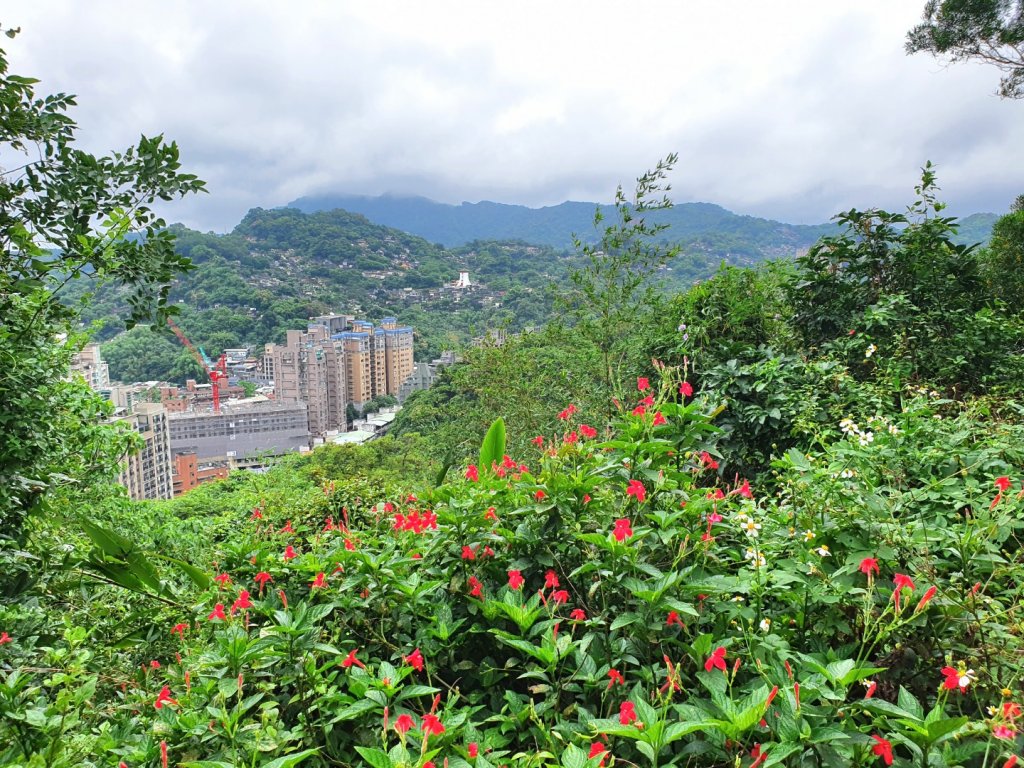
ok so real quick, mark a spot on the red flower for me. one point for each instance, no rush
(903, 582)
(178, 629)
(349, 546)
(217, 613)
(472, 474)
(538, 440)
(707, 461)
(1011, 762)
(744, 490)
(716, 660)
(329, 525)
(597, 748)
(223, 579)
(642, 383)
(164, 697)
(415, 659)
(288, 527)
(472, 749)
(1004, 732)
(868, 566)
(351, 660)
(256, 514)
(872, 687)
(403, 723)
(431, 726)
(1003, 484)
(614, 676)
(586, 498)
(468, 553)
(587, 431)
(550, 579)
(262, 578)
(319, 581)
(882, 748)
(636, 488)
(476, 588)
(957, 679)
(640, 410)
(490, 514)
(622, 530)
(658, 419)
(242, 602)
(515, 580)
(928, 595)
(578, 614)
(560, 597)
(627, 713)
(569, 411)
(539, 495)
(163, 754)
(289, 552)
(685, 389)
(674, 618)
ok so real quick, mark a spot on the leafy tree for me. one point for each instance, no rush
(991, 31)
(1003, 261)
(65, 215)
(612, 287)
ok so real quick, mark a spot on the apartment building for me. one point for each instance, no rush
(189, 472)
(327, 369)
(147, 473)
(90, 366)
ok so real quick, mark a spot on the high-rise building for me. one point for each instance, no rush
(147, 473)
(398, 354)
(92, 367)
(310, 368)
(327, 368)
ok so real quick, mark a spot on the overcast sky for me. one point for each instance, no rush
(787, 109)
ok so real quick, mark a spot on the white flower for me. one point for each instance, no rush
(808, 535)
(966, 678)
(757, 558)
(870, 350)
(751, 528)
(738, 599)
(846, 474)
(823, 551)
(848, 425)
(766, 624)
(865, 439)
(893, 429)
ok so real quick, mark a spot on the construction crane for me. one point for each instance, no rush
(216, 372)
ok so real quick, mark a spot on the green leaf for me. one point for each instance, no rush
(377, 758)
(291, 760)
(492, 450)
(574, 757)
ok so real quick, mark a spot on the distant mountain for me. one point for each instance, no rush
(710, 227)
(703, 227)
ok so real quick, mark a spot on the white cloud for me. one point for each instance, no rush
(793, 110)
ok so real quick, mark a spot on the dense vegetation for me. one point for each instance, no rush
(770, 520)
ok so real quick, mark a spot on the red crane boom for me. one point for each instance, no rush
(216, 374)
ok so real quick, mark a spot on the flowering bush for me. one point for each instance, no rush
(611, 597)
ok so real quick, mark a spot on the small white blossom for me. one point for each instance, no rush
(846, 474)
(823, 551)
(865, 439)
(808, 535)
(751, 528)
(766, 624)
(870, 350)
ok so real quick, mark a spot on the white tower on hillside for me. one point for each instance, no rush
(463, 281)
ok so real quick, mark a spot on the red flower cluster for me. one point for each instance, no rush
(623, 529)
(515, 580)
(415, 521)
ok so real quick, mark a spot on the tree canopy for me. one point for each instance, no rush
(991, 31)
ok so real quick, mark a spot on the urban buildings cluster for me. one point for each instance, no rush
(306, 390)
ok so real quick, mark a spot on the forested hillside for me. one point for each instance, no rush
(279, 267)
